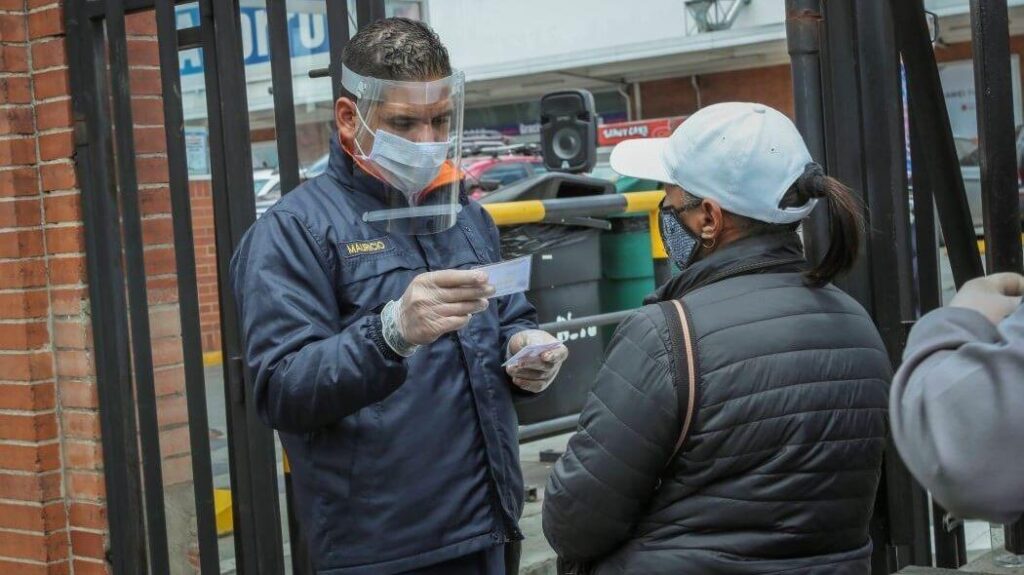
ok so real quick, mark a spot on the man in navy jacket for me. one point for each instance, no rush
(375, 349)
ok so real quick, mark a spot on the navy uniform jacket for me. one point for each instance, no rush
(396, 463)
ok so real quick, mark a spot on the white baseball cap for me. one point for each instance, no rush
(744, 156)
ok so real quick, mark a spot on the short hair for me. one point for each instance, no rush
(397, 49)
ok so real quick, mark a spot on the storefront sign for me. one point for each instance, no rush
(958, 87)
(306, 30)
(611, 134)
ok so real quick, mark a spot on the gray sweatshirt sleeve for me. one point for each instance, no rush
(957, 410)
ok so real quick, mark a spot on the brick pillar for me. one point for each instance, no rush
(40, 304)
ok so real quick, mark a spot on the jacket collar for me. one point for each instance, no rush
(342, 168)
(774, 253)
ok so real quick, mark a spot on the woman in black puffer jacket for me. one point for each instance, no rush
(773, 468)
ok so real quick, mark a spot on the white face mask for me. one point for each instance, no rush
(408, 166)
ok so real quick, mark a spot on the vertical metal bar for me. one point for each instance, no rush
(929, 280)
(928, 109)
(301, 564)
(843, 152)
(337, 31)
(865, 149)
(1014, 538)
(138, 300)
(258, 541)
(889, 246)
(188, 297)
(885, 172)
(284, 102)
(843, 123)
(368, 11)
(999, 200)
(990, 23)
(803, 32)
(94, 166)
(950, 545)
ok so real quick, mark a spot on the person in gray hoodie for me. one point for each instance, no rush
(957, 403)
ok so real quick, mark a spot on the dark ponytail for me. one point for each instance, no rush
(846, 221)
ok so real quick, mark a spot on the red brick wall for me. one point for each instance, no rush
(206, 263)
(772, 86)
(49, 492)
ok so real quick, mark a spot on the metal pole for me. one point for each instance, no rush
(992, 80)
(284, 101)
(803, 32)
(843, 122)
(138, 301)
(990, 23)
(931, 128)
(884, 149)
(337, 31)
(258, 542)
(865, 149)
(542, 429)
(94, 165)
(188, 296)
(950, 543)
(368, 11)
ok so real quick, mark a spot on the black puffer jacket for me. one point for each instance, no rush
(783, 458)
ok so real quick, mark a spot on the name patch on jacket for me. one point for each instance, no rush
(366, 247)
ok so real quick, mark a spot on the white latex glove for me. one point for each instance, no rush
(537, 374)
(438, 303)
(995, 296)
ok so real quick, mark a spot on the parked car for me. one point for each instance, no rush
(486, 174)
(970, 167)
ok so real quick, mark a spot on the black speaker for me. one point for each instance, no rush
(568, 131)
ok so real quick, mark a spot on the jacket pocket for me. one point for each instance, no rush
(367, 284)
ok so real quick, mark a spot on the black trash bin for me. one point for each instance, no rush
(565, 284)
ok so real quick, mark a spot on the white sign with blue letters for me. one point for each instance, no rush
(307, 32)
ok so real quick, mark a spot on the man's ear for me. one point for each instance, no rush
(346, 120)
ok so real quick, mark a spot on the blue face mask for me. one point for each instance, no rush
(680, 243)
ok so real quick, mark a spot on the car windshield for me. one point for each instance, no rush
(258, 184)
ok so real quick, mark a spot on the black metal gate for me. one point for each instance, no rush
(99, 49)
(846, 59)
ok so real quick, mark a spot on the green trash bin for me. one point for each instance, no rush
(627, 267)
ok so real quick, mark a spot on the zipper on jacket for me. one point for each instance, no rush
(508, 526)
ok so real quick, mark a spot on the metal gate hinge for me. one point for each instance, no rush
(236, 379)
(81, 133)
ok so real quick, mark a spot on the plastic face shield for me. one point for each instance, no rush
(409, 136)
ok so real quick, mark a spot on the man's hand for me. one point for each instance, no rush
(995, 296)
(437, 303)
(537, 374)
